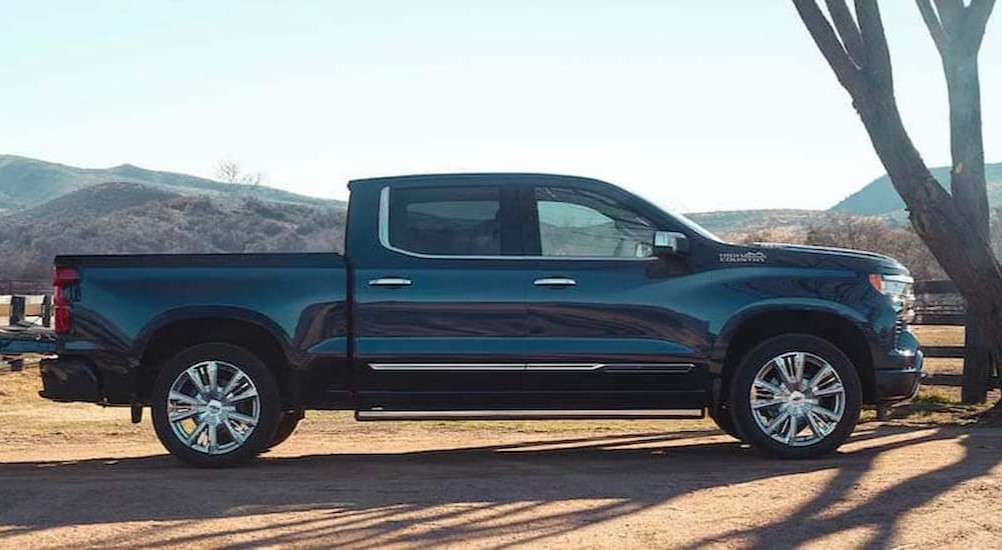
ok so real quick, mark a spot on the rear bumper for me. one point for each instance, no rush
(70, 379)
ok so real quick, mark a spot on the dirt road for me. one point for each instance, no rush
(77, 475)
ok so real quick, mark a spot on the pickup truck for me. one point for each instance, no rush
(485, 296)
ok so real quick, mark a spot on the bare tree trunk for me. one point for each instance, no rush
(967, 183)
(955, 228)
(957, 32)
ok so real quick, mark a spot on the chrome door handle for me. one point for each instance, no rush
(390, 281)
(555, 282)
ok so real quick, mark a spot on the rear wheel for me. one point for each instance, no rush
(796, 396)
(725, 421)
(215, 405)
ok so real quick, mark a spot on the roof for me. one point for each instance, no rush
(478, 178)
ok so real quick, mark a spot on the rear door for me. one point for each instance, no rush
(438, 300)
(604, 313)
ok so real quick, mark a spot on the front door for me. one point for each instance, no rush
(603, 320)
(438, 300)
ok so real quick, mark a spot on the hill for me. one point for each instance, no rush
(878, 198)
(98, 200)
(738, 224)
(25, 183)
(121, 218)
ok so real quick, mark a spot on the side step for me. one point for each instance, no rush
(379, 414)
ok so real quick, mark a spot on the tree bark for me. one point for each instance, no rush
(967, 184)
(955, 228)
(957, 32)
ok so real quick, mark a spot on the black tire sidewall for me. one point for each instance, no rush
(725, 421)
(254, 368)
(740, 398)
(287, 424)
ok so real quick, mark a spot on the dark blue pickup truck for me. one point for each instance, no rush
(486, 296)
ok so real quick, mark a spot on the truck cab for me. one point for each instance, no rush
(487, 296)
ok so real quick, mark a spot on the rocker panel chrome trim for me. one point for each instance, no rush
(616, 368)
(526, 414)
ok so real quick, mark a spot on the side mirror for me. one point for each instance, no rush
(670, 243)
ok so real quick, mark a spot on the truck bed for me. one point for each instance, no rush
(300, 259)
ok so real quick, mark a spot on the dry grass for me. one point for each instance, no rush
(939, 335)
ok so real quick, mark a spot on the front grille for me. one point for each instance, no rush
(900, 326)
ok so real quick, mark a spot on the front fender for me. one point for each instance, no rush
(789, 306)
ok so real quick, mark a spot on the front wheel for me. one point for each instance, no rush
(286, 426)
(215, 405)
(796, 396)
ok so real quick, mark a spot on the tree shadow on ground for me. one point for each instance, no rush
(464, 495)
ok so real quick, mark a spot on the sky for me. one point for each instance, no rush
(698, 106)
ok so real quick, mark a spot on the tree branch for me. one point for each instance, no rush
(827, 41)
(934, 25)
(951, 14)
(977, 19)
(878, 57)
(847, 30)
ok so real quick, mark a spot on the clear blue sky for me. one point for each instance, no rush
(696, 105)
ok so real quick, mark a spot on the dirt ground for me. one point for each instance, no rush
(81, 476)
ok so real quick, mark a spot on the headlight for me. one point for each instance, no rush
(899, 289)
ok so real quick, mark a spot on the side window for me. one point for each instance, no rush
(454, 221)
(575, 222)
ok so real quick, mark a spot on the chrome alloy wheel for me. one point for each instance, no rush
(797, 399)
(213, 407)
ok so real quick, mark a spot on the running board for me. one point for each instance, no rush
(378, 414)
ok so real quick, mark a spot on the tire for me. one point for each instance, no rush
(805, 417)
(725, 421)
(286, 427)
(215, 420)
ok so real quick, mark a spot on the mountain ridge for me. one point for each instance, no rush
(878, 198)
(26, 182)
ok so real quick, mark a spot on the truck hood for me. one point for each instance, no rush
(821, 257)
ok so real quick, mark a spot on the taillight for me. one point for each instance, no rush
(64, 278)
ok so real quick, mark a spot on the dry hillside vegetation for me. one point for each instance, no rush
(133, 219)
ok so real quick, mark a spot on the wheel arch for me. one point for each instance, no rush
(177, 330)
(838, 327)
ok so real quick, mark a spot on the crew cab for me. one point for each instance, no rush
(485, 296)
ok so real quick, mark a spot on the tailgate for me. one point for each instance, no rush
(18, 340)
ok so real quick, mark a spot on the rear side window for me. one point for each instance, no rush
(448, 221)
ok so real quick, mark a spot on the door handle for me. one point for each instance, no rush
(556, 282)
(390, 281)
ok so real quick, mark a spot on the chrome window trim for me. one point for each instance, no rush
(384, 240)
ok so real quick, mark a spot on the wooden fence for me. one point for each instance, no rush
(937, 303)
(24, 304)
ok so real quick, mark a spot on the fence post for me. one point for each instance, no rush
(47, 311)
(16, 310)
(977, 364)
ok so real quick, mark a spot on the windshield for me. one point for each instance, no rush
(702, 231)
(689, 224)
